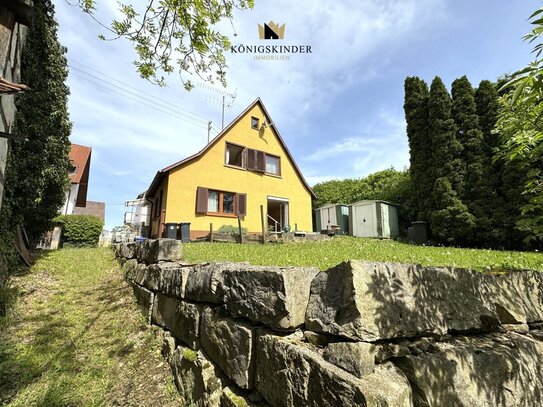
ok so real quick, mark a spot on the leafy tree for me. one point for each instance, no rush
(521, 127)
(37, 168)
(521, 149)
(420, 145)
(181, 31)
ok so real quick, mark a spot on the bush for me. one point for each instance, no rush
(233, 230)
(80, 230)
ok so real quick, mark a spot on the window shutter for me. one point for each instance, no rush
(201, 200)
(242, 204)
(251, 159)
(260, 161)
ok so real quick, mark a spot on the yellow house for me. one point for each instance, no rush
(245, 167)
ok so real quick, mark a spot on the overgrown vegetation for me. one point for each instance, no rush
(521, 127)
(76, 338)
(329, 253)
(80, 230)
(37, 164)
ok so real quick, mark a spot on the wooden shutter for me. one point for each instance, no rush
(251, 159)
(201, 200)
(242, 204)
(260, 161)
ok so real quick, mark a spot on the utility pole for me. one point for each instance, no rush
(208, 130)
(222, 123)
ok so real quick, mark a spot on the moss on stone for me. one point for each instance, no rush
(190, 355)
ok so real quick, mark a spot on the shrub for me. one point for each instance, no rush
(80, 230)
(233, 230)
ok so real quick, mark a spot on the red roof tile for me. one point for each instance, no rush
(80, 157)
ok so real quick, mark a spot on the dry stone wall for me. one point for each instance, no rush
(358, 334)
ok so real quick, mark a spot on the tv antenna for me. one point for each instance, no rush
(220, 97)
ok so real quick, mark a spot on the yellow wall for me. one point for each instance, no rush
(209, 171)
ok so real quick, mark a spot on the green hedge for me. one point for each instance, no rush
(80, 230)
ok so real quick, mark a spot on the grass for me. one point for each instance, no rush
(76, 338)
(329, 253)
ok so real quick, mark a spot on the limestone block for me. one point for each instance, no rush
(289, 374)
(168, 345)
(517, 296)
(483, 371)
(130, 269)
(357, 358)
(369, 301)
(198, 380)
(144, 299)
(173, 279)
(181, 318)
(205, 282)
(128, 250)
(274, 296)
(153, 251)
(229, 344)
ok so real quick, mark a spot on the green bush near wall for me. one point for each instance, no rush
(80, 230)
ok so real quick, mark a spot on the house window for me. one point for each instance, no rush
(235, 155)
(220, 202)
(214, 202)
(254, 123)
(272, 165)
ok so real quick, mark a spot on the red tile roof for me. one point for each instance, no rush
(80, 158)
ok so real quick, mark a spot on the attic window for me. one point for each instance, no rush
(254, 123)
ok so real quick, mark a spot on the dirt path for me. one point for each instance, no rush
(75, 338)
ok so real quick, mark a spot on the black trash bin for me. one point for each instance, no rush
(184, 232)
(170, 230)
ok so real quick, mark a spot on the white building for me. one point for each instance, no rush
(139, 215)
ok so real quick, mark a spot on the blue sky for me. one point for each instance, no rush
(339, 109)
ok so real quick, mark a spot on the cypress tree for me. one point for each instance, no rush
(420, 146)
(451, 221)
(37, 169)
(477, 191)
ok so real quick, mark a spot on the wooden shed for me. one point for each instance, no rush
(374, 219)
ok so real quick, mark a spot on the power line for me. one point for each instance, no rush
(166, 105)
(156, 107)
(134, 88)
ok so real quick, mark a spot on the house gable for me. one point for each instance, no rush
(247, 163)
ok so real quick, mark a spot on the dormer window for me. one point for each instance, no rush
(254, 123)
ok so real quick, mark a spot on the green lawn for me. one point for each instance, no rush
(327, 254)
(76, 338)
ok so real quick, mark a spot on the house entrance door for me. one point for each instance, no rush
(278, 214)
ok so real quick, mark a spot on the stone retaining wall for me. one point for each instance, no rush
(358, 334)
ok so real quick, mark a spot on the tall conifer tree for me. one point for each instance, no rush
(477, 190)
(451, 221)
(420, 146)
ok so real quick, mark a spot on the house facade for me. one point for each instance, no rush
(247, 165)
(76, 196)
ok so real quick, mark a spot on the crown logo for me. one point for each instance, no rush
(271, 31)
